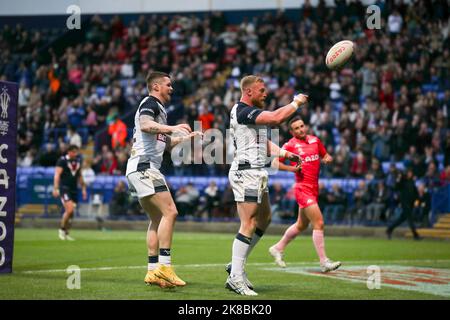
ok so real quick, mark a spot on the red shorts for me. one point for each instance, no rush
(306, 194)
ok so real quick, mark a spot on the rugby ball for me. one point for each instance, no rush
(339, 54)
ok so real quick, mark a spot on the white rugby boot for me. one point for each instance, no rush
(244, 275)
(278, 256)
(237, 284)
(329, 265)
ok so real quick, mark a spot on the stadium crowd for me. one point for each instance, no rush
(389, 104)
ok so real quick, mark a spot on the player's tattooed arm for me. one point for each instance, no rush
(173, 141)
(148, 125)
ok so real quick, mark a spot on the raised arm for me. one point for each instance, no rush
(282, 114)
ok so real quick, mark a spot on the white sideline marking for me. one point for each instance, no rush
(409, 278)
(262, 264)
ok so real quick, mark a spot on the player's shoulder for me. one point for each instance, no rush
(61, 161)
(310, 139)
(246, 114)
(291, 142)
(149, 105)
(242, 107)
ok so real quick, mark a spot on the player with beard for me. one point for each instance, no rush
(311, 150)
(248, 175)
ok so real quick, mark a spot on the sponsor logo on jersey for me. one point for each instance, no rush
(309, 201)
(161, 137)
(314, 157)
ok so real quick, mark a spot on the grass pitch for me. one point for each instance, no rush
(113, 266)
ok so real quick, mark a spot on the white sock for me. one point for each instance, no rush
(152, 263)
(241, 245)
(164, 257)
(152, 266)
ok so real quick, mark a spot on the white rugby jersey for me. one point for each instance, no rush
(148, 148)
(250, 139)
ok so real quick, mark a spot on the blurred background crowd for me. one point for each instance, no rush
(385, 111)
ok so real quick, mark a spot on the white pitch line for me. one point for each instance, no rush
(210, 265)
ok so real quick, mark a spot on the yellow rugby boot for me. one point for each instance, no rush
(168, 274)
(151, 279)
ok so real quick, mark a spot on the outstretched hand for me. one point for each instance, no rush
(327, 159)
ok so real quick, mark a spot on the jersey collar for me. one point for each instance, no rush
(157, 100)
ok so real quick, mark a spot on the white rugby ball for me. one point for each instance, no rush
(339, 54)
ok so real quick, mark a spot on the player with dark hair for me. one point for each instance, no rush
(248, 175)
(311, 150)
(151, 137)
(67, 176)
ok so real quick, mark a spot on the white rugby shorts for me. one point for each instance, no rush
(146, 183)
(249, 185)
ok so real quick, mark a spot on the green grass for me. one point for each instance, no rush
(199, 259)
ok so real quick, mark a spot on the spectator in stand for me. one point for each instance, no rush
(341, 166)
(117, 129)
(76, 113)
(415, 161)
(48, 156)
(431, 178)
(228, 204)
(212, 199)
(444, 177)
(186, 200)
(376, 209)
(395, 22)
(87, 172)
(118, 206)
(359, 165)
(91, 120)
(122, 159)
(73, 138)
(375, 170)
(108, 164)
(422, 206)
(289, 205)
(28, 160)
(361, 198)
(205, 116)
(335, 207)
